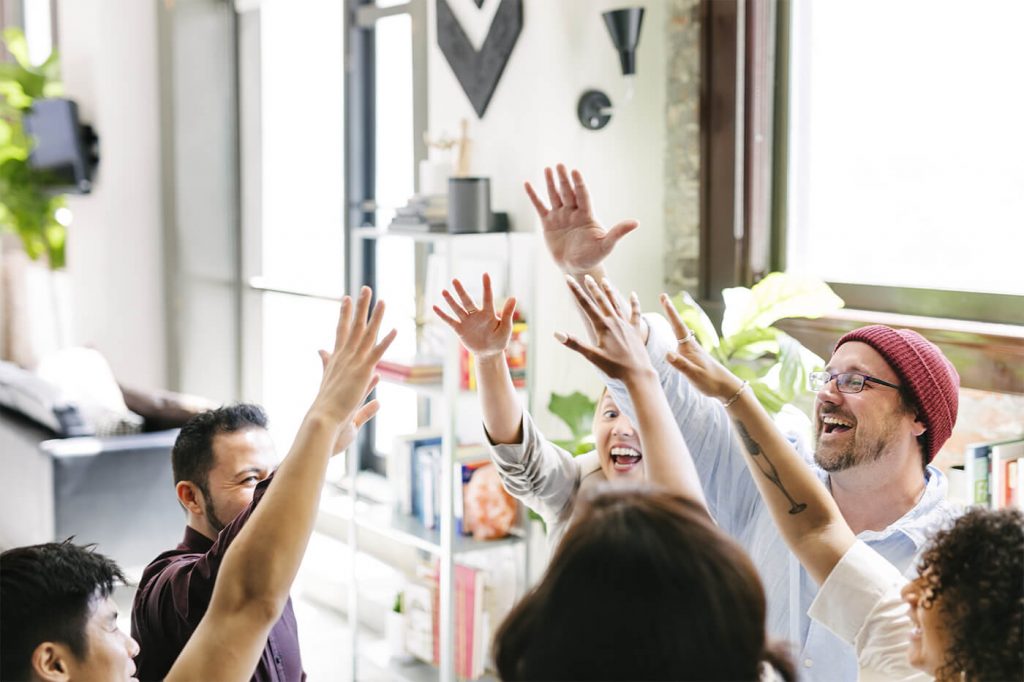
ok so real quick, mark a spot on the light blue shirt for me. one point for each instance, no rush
(736, 505)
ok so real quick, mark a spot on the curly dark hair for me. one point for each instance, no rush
(977, 568)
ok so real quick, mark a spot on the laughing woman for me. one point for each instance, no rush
(545, 477)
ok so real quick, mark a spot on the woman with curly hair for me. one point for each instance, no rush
(966, 615)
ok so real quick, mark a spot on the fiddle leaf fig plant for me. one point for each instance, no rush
(577, 412)
(775, 364)
(26, 208)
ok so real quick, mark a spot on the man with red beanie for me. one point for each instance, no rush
(886, 403)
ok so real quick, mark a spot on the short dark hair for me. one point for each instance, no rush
(976, 568)
(644, 571)
(48, 592)
(192, 456)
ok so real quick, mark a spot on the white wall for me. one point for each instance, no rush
(563, 50)
(109, 53)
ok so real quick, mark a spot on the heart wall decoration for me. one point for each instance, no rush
(478, 71)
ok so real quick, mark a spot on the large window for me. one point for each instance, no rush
(890, 134)
(291, 63)
(906, 158)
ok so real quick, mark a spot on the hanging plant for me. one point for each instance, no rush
(27, 208)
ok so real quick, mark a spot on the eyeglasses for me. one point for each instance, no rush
(846, 382)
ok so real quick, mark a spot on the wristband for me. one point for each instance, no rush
(736, 395)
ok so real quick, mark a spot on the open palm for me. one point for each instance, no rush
(481, 330)
(574, 238)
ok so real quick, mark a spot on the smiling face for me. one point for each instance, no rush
(858, 428)
(930, 639)
(618, 443)
(109, 649)
(241, 459)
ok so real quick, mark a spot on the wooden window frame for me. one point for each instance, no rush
(744, 116)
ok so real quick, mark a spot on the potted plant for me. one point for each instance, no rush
(37, 216)
(775, 364)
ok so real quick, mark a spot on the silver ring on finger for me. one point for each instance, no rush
(686, 339)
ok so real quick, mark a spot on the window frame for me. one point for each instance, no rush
(745, 67)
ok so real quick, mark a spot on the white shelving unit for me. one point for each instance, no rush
(359, 517)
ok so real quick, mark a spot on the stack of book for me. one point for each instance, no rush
(414, 470)
(995, 473)
(418, 370)
(472, 619)
(423, 213)
(482, 507)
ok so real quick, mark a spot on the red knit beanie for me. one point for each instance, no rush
(928, 377)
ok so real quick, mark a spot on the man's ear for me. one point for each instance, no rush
(189, 497)
(919, 426)
(51, 662)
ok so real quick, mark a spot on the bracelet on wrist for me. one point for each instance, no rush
(736, 395)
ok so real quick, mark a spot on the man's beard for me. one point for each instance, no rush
(211, 513)
(860, 450)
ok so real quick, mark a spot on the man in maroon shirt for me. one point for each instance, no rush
(218, 459)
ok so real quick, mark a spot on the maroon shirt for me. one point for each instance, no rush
(174, 593)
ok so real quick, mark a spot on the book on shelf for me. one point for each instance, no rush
(994, 472)
(418, 370)
(483, 508)
(1006, 458)
(472, 622)
(402, 466)
(422, 213)
(469, 615)
(425, 465)
(418, 599)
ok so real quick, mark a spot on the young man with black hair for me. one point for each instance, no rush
(58, 618)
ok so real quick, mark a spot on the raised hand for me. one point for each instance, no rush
(708, 375)
(348, 370)
(576, 242)
(619, 349)
(481, 330)
(348, 432)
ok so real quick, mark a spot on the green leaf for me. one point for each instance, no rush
(767, 396)
(751, 343)
(696, 319)
(792, 373)
(575, 410)
(14, 95)
(777, 296)
(16, 44)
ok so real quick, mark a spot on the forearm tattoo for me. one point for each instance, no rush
(770, 472)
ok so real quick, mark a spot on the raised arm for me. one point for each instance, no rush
(486, 335)
(806, 514)
(619, 352)
(575, 240)
(259, 567)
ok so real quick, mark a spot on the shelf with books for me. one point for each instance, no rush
(434, 480)
(382, 520)
(424, 236)
(995, 473)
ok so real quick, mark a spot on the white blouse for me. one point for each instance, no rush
(860, 602)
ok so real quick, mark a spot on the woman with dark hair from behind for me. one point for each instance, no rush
(643, 586)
